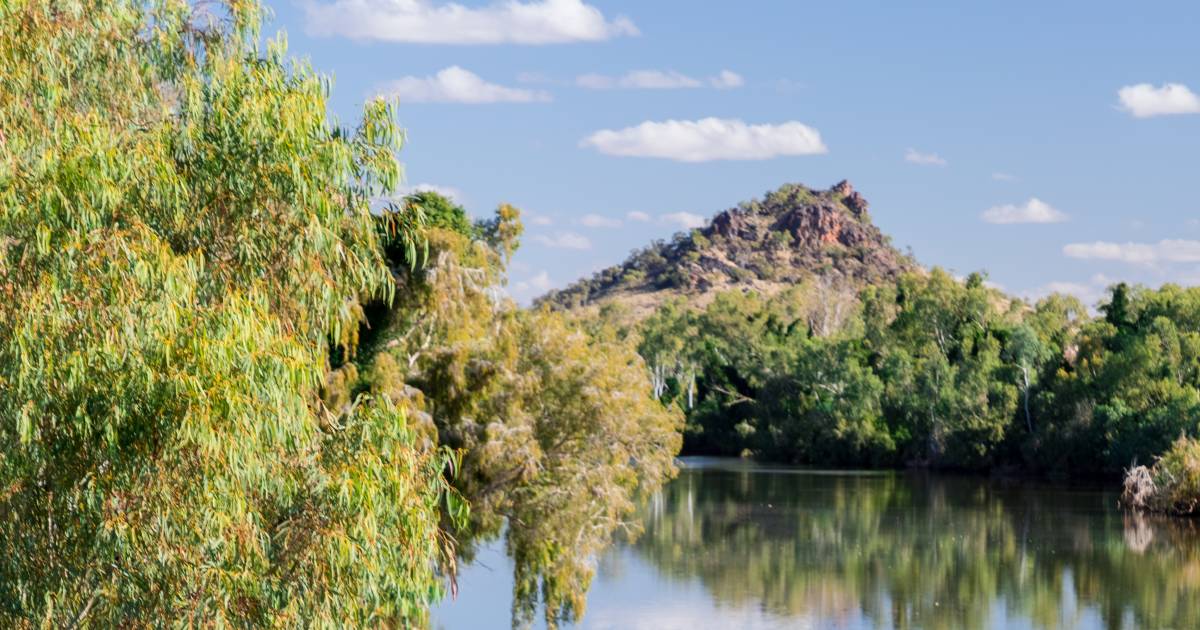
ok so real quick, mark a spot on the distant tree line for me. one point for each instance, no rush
(935, 371)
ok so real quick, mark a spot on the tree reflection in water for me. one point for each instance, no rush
(921, 551)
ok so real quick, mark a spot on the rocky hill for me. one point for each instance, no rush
(793, 234)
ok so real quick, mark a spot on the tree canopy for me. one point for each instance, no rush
(933, 370)
(560, 433)
(177, 254)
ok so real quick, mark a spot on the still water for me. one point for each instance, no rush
(730, 544)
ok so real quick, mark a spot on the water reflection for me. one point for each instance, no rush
(733, 545)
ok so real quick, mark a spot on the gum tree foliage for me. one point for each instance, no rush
(943, 372)
(1129, 384)
(183, 235)
(910, 371)
(945, 380)
(559, 431)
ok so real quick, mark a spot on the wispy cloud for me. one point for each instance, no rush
(1003, 177)
(1144, 100)
(380, 202)
(1033, 211)
(638, 215)
(1089, 292)
(726, 79)
(685, 220)
(531, 217)
(657, 80)
(563, 240)
(426, 22)
(1164, 251)
(445, 191)
(599, 221)
(532, 286)
(540, 282)
(456, 85)
(707, 139)
(913, 156)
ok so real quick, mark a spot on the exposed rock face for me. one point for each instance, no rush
(793, 233)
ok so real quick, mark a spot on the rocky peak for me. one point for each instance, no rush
(790, 234)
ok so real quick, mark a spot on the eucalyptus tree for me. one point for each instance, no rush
(1027, 353)
(184, 234)
(669, 345)
(559, 432)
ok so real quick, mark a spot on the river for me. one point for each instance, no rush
(732, 544)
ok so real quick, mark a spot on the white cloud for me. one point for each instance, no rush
(531, 287)
(599, 221)
(457, 85)
(685, 220)
(1164, 251)
(1089, 293)
(426, 22)
(707, 139)
(657, 80)
(727, 79)
(1004, 177)
(564, 240)
(637, 215)
(445, 191)
(914, 156)
(1144, 100)
(530, 217)
(596, 82)
(454, 194)
(639, 79)
(1033, 211)
(540, 282)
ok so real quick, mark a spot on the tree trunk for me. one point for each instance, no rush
(1028, 417)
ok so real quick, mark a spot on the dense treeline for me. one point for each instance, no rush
(196, 427)
(935, 371)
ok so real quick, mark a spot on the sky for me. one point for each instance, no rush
(1050, 144)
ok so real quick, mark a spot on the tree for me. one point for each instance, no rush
(183, 235)
(559, 432)
(668, 344)
(1027, 353)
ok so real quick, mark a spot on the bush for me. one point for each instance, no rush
(1171, 486)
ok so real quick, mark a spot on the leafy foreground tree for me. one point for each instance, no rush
(559, 430)
(183, 234)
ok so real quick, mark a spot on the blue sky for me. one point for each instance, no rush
(1052, 144)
